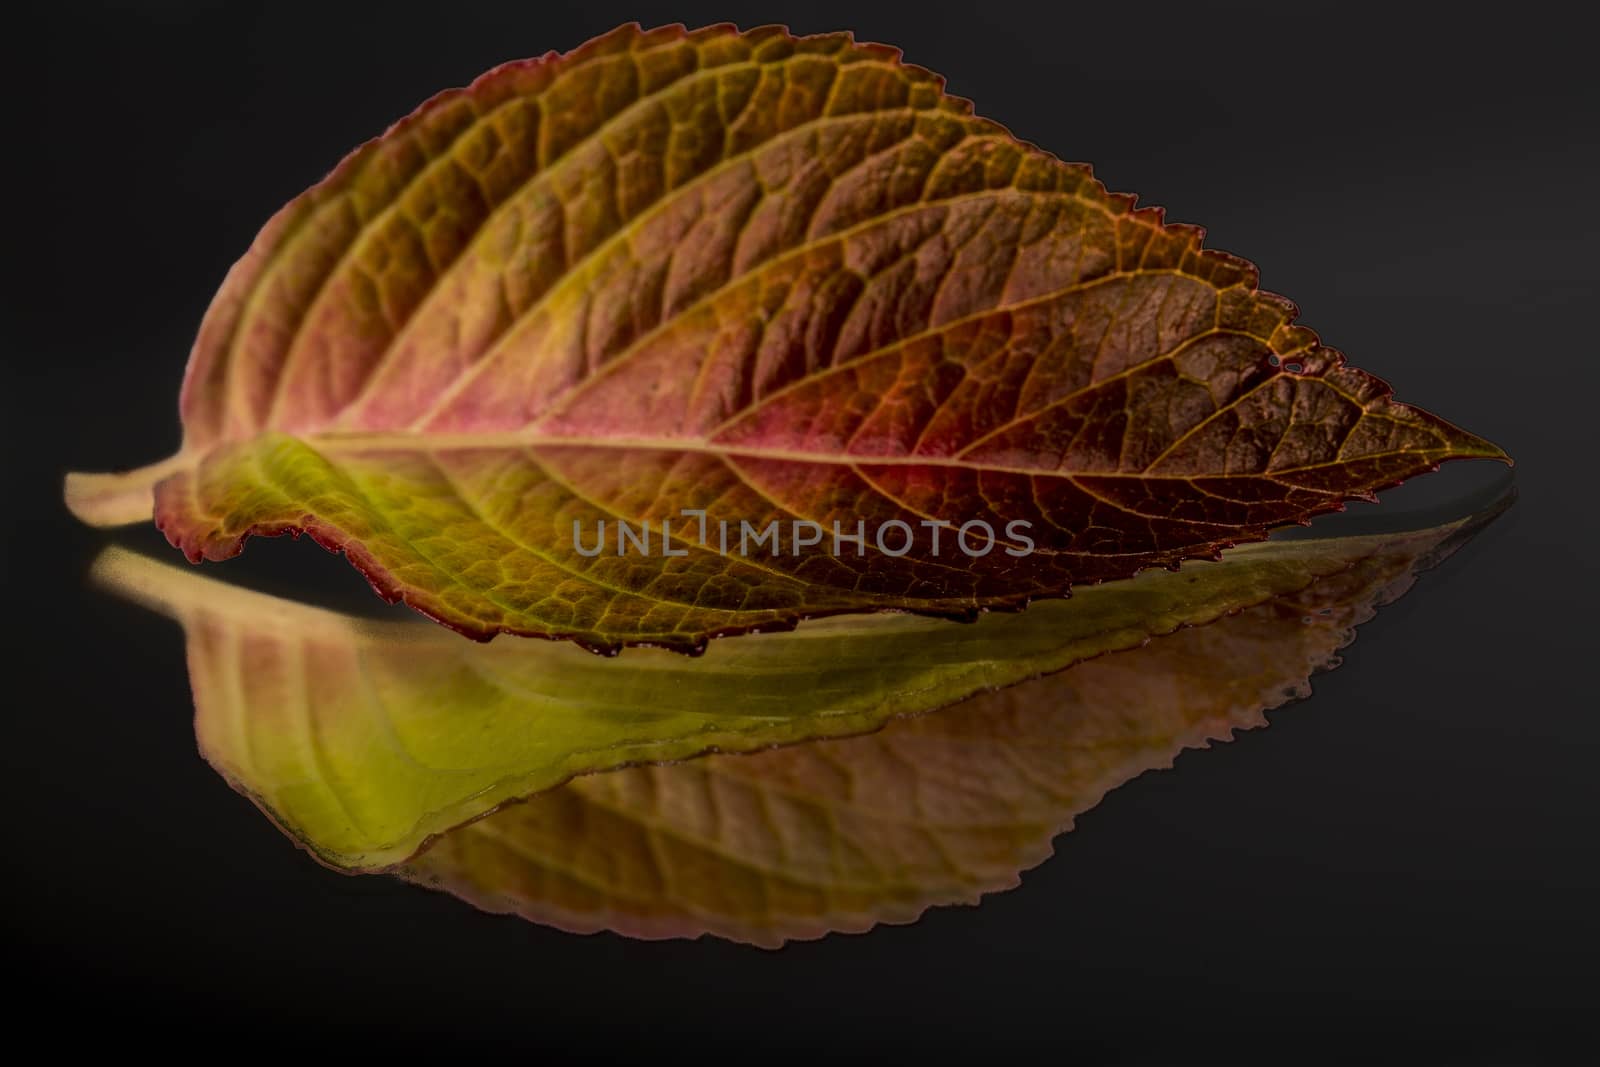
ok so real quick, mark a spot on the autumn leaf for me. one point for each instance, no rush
(771, 280)
(365, 740)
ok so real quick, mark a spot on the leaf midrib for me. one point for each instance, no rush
(355, 442)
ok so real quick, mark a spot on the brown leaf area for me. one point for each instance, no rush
(839, 836)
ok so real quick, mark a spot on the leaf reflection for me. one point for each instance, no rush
(371, 742)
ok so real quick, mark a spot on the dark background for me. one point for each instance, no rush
(1403, 866)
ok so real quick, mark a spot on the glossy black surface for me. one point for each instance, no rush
(1404, 865)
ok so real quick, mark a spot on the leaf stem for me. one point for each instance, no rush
(120, 498)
